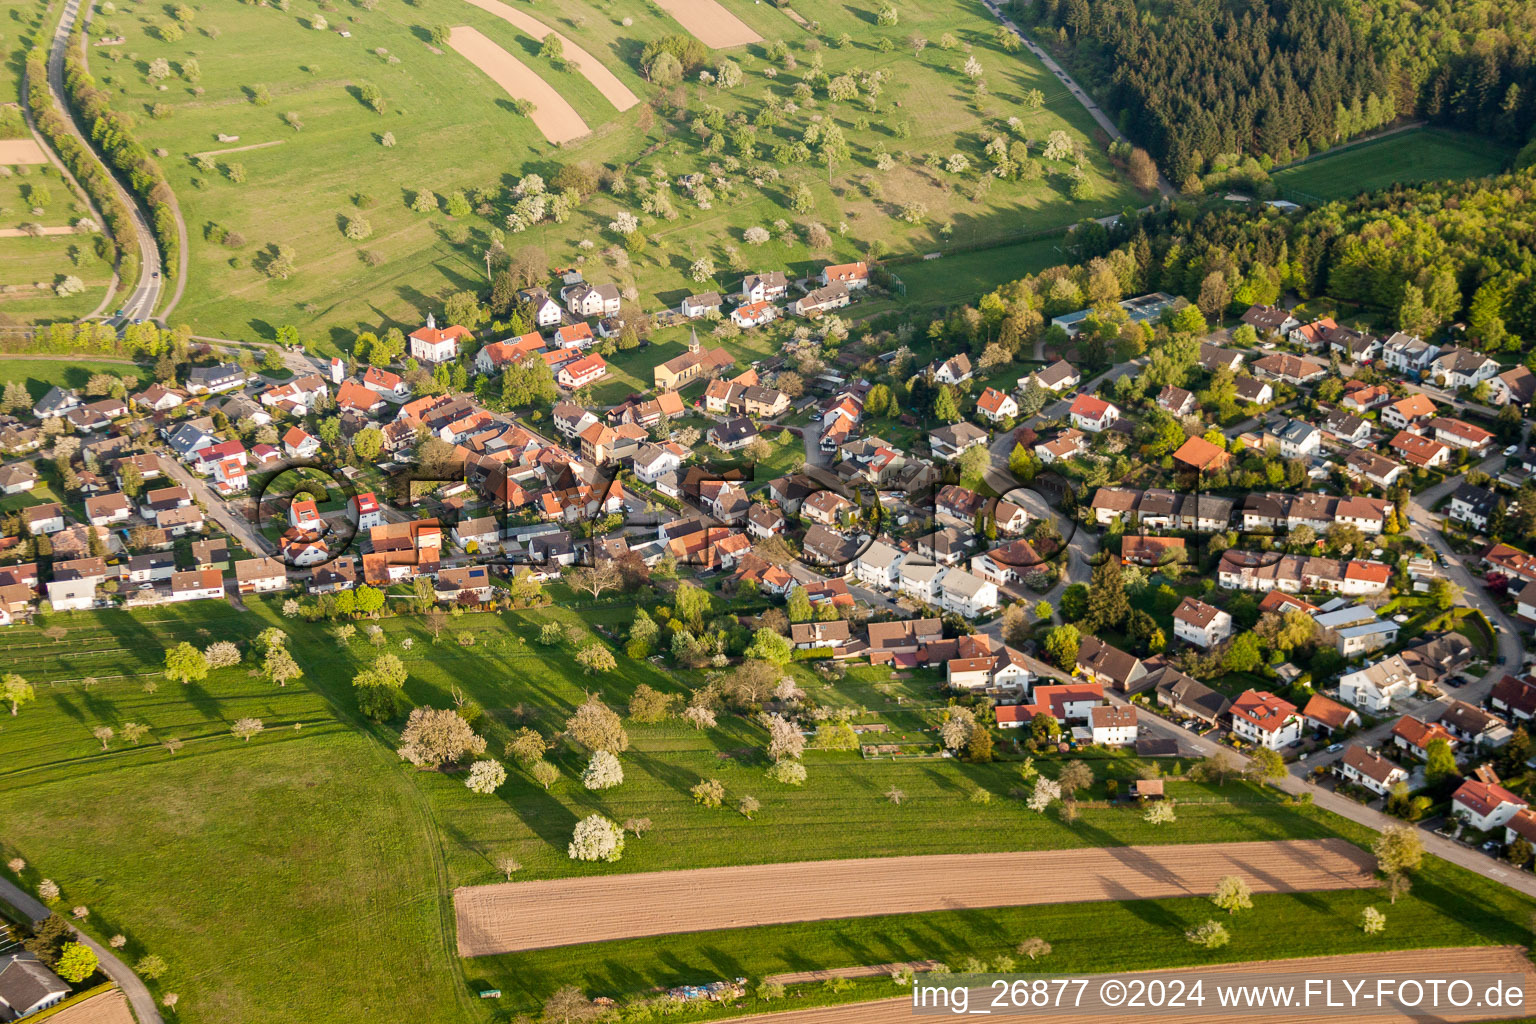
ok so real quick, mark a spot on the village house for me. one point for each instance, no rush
(1346, 427)
(365, 510)
(1201, 624)
(197, 585)
(821, 300)
(430, 345)
(260, 575)
(1312, 336)
(1362, 397)
(546, 311)
(465, 584)
(1517, 387)
(949, 443)
(1458, 367)
(1329, 716)
(1376, 469)
(1067, 444)
(732, 435)
(499, 355)
(352, 397)
(1107, 665)
(1420, 451)
(1113, 725)
(1214, 357)
(691, 365)
(591, 300)
(1406, 413)
(1415, 735)
(853, 275)
(1511, 561)
(1187, 696)
(1471, 724)
(392, 386)
(1374, 687)
(1461, 434)
(1483, 803)
(997, 405)
(703, 304)
(1367, 768)
(1093, 414)
(1265, 720)
(213, 380)
(1472, 505)
(1254, 391)
(1176, 401)
(1297, 439)
(1266, 571)
(581, 372)
(1268, 320)
(1058, 377)
(1355, 630)
(18, 478)
(765, 287)
(27, 986)
(1293, 370)
(1407, 354)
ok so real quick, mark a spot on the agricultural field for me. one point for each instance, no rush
(314, 841)
(312, 155)
(34, 195)
(41, 374)
(1423, 154)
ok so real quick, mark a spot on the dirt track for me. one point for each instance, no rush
(107, 1008)
(552, 115)
(508, 917)
(21, 151)
(709, 23)
(588, 66)
(1447, 963)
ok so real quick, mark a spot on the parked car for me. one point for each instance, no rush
(1334, 748)
(1513, 449)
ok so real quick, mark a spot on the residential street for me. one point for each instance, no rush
(1456, 853)
(217, 509)
(144, 1007)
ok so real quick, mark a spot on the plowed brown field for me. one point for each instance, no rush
(107, 1008)
(508, 917)
(607, 83)
(552, 115)
(1445, 963)
(709, 23)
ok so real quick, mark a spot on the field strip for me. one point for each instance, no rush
(613, 90)
(21, 151)
(1443, 963)
(510, 916)
(552, 115)
(867, 971)
(107, 1008)
(23, 233)
(709, 23)
(240, 149)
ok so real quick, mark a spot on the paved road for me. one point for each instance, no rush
(143, 1003)
(1164, 186)
(218, 508)
(1456, 853)
(142, 299)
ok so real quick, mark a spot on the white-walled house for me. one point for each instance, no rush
(1485, 805)
(1369, 769)
(1092, 413)
(1113, 725)
(1374, 687)
(1201, 624)
(1265, 720)
(964, 594)
(879, 566)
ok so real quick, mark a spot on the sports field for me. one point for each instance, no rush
(267, 76)
(1423, 154)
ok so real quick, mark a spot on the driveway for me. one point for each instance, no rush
(143, 1003)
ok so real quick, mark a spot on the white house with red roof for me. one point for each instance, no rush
(1065, 702)
(355, 397)
(1415, 735)
(366, 511)
(204, 460)
(578, 335)
(1484, 804)
(997, 405)
(305, 515)
(1093, 414)
(230, 477)
(754, 314)
(1265, 720)
(431, 345)
(390, 385)
(500, 354)
(300, 443)
(851, 275)
(580, 372)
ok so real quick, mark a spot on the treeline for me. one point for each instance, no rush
(1426, 256)
(120, 240)
(1199, 82)
(113, 132)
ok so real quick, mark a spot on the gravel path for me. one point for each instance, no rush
(508, 917)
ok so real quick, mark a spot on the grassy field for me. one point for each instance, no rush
(441, 110)
(314, 843)
(30, 267)
(41, 374)
(1424, 154)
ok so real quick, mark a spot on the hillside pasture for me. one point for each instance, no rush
(553, 116)
(268, 77)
